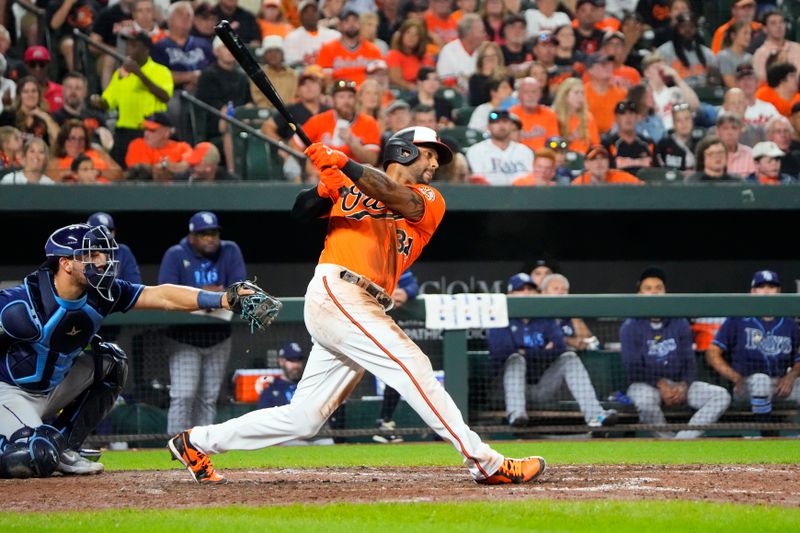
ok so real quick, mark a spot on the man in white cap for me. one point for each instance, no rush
(767, 159)
(283, 78)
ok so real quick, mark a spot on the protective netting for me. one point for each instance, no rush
(580, 389)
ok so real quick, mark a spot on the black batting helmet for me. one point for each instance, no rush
(402, 146)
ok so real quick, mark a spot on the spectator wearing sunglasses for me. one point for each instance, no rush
(559, 146)
(37, 59)
(499, 159)
(628, 151)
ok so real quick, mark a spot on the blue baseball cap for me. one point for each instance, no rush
(518, 281)
(202, 221)
(101, 219)
(292, 351)
(765, 277)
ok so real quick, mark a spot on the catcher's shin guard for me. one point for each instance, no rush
(78, 419)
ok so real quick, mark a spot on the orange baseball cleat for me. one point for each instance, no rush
(516, 471)
(196, 462)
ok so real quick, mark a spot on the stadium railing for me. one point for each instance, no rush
(459, 356)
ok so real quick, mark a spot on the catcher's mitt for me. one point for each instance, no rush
(258, 309)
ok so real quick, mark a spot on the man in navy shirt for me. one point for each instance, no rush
(128, 267)
(533, 349)
(764, 352)
(51, 361)
(661, 368)
(198, 357)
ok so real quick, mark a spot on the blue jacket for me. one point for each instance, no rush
(183, 266)
(279, 392)
(128, 267)
(650, 353)
(408, 283)
(531, 336)
(760, 346)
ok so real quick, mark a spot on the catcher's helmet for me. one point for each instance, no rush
(402, 146)
(77, 242)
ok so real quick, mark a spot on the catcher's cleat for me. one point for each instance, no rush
(72, 463)
(516, 471)
(196, 462)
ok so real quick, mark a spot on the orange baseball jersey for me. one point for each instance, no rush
(346, 64)
(536, 126)
(446, 30)
(368, 239)
(613, 176)
(140, 153)
(322, 128)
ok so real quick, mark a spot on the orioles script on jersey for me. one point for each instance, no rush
(369, 239)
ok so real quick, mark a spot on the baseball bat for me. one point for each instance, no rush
(245, 58)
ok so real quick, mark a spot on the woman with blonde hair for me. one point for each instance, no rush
(29, 115)
(35, 156)
(368, 100)
(575, 122)
(489, 64)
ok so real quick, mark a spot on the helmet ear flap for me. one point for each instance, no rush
(399, 150)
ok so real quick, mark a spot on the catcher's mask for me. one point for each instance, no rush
(94, 247)
(402, 146)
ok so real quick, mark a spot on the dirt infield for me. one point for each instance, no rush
(767, 484)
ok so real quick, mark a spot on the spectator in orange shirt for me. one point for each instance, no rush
(600, 94)
(598, 170)
(623, 76)
(156, 148)
(347, 57)
(342, 128)
(544, 170)
(538, 122)
(575, 122)
(464, 7)
(741, 10)
(408, 54)
(442, 28)
(270, 19)
(781, 88)
(74, 140)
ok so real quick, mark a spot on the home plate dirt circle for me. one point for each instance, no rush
(752, 484)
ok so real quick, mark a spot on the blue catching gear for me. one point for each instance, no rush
(31, 452)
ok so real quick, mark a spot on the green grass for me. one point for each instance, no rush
(523, 515)
(597, 451)
(535, 515)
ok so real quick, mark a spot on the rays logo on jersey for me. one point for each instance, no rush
(659, 347)
(769, 344)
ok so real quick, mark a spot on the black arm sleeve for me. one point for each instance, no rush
(309, 206)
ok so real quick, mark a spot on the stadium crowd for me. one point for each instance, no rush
(528, 93)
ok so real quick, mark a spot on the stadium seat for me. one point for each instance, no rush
(462, 135)
(710, 95)
(453, 97)
(659, 175)
(574, 162)
(462, 115)
(252, 116)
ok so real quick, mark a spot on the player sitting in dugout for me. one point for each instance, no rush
(532, 350)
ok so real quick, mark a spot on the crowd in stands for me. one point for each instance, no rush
(527, 92)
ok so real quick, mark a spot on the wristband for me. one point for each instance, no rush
(209, 300)
(353, 170)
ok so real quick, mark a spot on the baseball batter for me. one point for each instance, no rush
(377, 228)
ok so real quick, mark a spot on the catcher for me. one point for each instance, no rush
(53, 366)
(379, 223)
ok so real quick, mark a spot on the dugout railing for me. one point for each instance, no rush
(460, 357)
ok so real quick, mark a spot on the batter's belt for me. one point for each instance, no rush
(372, 289)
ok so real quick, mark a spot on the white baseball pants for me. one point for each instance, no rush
(711, 401)
(351, 333)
